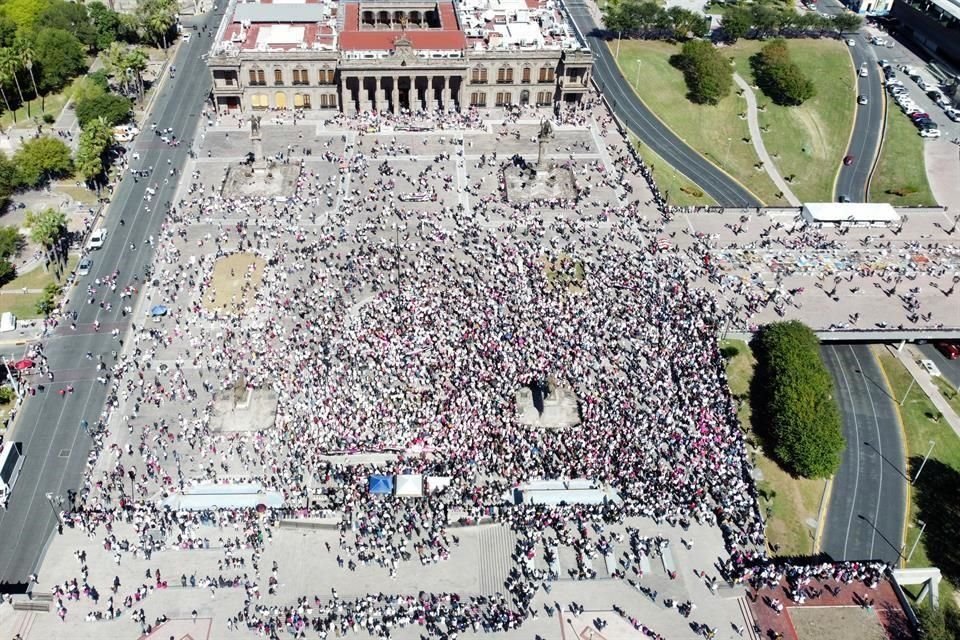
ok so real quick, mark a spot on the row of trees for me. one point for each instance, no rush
(46, 43)
(648, 19)
(779, 77)
(800, 414)
(709, 76)
(629, 17)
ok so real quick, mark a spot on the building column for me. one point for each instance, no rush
(395, 94)
(381, 95)
(363, 97)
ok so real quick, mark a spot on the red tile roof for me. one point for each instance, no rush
(447, 37)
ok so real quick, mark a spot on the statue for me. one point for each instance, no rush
(546, 130)
(254, 125)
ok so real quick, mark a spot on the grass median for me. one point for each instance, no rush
(788, 502)
(806, 142)
(677, 188)
(901, 176)
(933, 497)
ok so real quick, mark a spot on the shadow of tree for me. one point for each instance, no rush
(939, 507)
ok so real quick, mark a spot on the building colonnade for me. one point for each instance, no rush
(365, 91)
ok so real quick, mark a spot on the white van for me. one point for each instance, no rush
(11, 461)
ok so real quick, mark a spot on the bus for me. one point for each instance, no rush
(11, 461)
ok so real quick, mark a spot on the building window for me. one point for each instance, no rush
(478, 99)
(257, 78)
(544, 98)
(301, 101)
(478, 76)
(525, 77)
(259, 101)
(301, 77)
(504, 75)
(546, 74)
(503, 98)
(328, 101)
(277, 76)
(325, 76)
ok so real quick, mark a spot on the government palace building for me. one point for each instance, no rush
(393, 55)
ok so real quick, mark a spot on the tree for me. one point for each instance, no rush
(708, 76)
(24, 49)
(847, 21)
(72, 17)
(95, 142)
(779, 77)
(8, 31)
(24, 13)
(112, 108)
(106, 24)
(939, 624)
(40, 159)
(47, 303)
(8, 178)
(736, 23)
(765, 19)
(9, 67)
(156, 18)
(60, 56)
(11, 241)
(47, 229)
(8, 271)
(800, 413)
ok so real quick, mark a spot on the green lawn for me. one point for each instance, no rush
(679, 189)
(901, 178)
(807, 141)
(24, 305)
(933, 498)
(787, 502)
(52, 105)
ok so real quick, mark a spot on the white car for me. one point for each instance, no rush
(862, 100)
(863, 71)
(97, 238)
(851, 42)
(929, 367)
(186, 36)
(930, 133)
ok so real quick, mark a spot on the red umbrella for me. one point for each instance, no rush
(20, 365)
(261, 508)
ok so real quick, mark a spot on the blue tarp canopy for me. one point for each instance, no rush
(381, 484)
(158, 310)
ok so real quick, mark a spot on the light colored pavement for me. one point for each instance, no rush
(908, 356)
(942, 160)
(756, 136)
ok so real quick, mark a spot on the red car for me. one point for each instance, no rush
(848, 160)
(949, 350)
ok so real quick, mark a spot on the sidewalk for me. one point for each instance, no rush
(909, 360)
(942, 161)
(755, 134)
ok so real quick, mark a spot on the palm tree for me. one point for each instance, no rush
(10, 63)
(25, 49)
(136, 60)
(3, 80)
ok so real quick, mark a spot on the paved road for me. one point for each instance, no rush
(54, 446)
(721, 187)
(949, 368)
(854, 180)
(868, 500)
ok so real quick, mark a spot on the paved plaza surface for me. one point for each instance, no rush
(402, 304)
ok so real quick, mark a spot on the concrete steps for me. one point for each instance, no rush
(497, 544)
(748, 619)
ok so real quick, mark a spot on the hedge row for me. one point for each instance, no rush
(801, 415)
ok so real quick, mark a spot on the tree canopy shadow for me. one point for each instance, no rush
(939, 507)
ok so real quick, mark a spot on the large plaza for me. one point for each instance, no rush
(377, 321)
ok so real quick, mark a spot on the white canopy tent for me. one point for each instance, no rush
(845, 214)
(409, 485)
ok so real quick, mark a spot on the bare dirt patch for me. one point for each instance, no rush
(836, 623)
(234, 283)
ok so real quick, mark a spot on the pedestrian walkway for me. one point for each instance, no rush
(909, 358)
(942, 161)
(755, 135)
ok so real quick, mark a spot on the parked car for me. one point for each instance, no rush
(85, 265)
(949, 350)
(919, 116)
(929, 367)
(97, 238)
(930, 133)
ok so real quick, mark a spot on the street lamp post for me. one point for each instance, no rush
(913, 381)
(619, 35)
(917, 541)
(13, 381)
(53, 505)
(929, 451)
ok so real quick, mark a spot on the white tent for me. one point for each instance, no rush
(438, 483)
(845, 214)
(409, 485)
